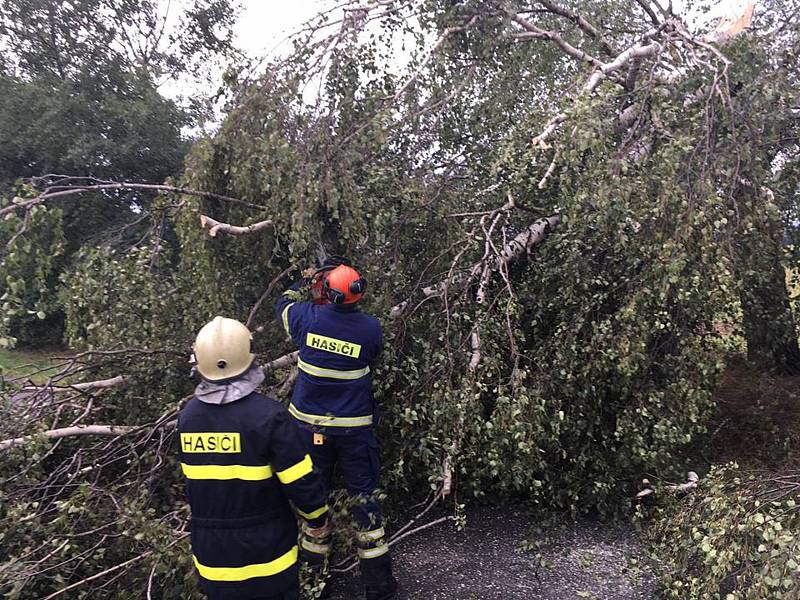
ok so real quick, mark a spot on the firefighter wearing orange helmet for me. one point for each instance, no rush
(334, 406)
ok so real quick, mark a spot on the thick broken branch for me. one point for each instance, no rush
(77, 430)
(620, 61)
(214, 226)
(522, 242)
(286, 360)
(602, 72)
(526, 239)
(550, 170)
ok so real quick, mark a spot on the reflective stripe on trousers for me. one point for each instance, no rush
(328, 420)
(371, 543)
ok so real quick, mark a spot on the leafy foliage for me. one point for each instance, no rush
(29, 276)
(735, 538)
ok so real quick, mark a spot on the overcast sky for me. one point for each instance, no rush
(264, 25)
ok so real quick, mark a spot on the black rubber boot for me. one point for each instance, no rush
(384, 591)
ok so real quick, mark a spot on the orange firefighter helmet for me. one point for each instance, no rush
(343, 285)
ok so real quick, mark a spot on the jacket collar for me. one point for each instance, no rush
(213, 392)
(343, 308)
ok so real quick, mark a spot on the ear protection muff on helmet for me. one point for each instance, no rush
(343, 295)
(334, 296)
(359, 286)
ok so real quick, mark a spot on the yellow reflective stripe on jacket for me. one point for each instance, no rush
(285, 317)
(331, 373)
(329, 421)
(373, 552)
(272, 567)
(295, 472)
(293, 294)
(227, 472)
(314, 513)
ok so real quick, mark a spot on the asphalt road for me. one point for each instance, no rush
(485, 562)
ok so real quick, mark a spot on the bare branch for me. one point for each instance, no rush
(266, 294)
(80, 387)
(122, 565)
(77, 430)
(581, 22)
(95, 185)
(214, 226)
(535, 31)
(435, 48)
(650, 12)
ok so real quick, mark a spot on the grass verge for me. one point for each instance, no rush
(26, 364)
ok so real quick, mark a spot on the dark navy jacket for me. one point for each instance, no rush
(242, 461)
(337, 345)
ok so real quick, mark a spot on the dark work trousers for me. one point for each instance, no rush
(293, 593)
(356, 456)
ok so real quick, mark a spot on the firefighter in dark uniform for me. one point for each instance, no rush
(333, 403)
(244, 460)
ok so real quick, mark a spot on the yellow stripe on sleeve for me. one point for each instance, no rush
(314, 513)
(285, 317)
(295, 472)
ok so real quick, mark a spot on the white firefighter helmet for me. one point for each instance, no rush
(222, 349)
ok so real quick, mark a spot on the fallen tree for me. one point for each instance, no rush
(544, 205)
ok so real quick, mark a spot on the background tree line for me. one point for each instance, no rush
(79, 94)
